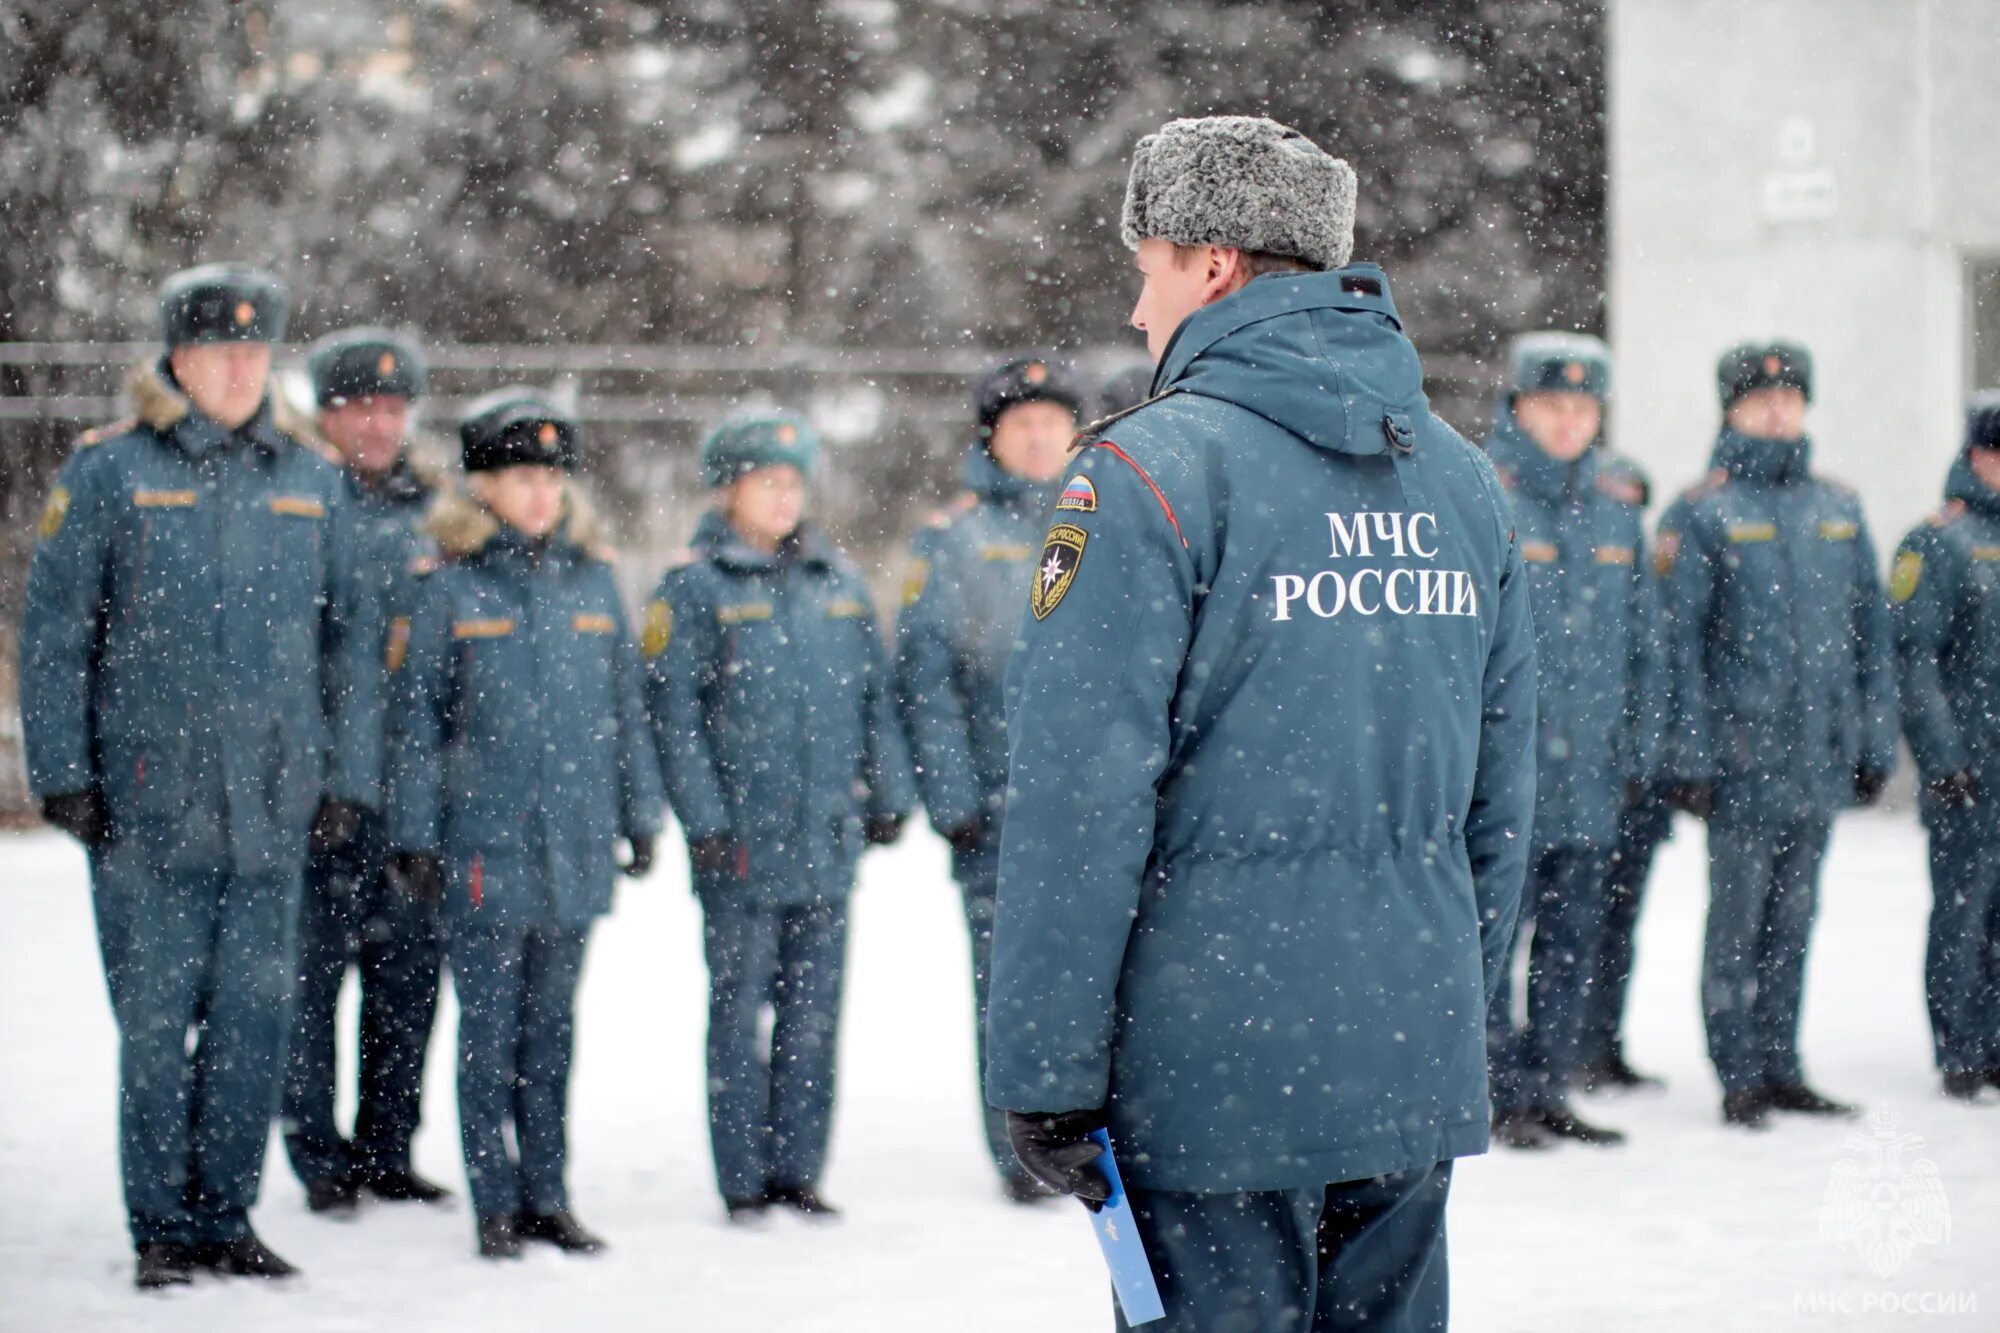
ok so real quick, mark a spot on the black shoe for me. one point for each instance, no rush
(1616, 1076)
(163, 1264)
(497, 1237)
(246, 1256)
(1965, 1086)
(1993, 1077)
(1747, 1108)
(1801, 1100)
(802, 1198)
(332, 1196)
(746, 1211)
(1520, 1129)
(558, 1229)
(402, 1185)
(1563, 1123)
(1022, 1188)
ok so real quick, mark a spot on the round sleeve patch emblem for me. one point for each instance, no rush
(54, 512)
(1903, 579)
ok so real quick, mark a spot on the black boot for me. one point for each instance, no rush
(1802, 1100)
(1993, 1077)
(746, 1211)
(1520, 1129)
(332, 1196)
(1747, 1108)
(1614, 1075)
(497, 1237)
(1564, 1123)
(399, 1184)
(558, 1229)
(246, 1256)
(803, 1199)
(1020, 1187)
(1964, 1086)
(163, 1264)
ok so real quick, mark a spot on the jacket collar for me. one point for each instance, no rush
(805, 547)
(1778, 462)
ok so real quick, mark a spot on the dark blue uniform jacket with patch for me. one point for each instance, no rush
(1601, 696)
(197, 642)
(1778, 637)
(1273, 763)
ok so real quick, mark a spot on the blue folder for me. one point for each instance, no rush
(1124, 1252)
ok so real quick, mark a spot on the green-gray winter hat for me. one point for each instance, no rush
(218, 303)
(1242, 181)
(365, 363)
(1559, 363)
(745, 443)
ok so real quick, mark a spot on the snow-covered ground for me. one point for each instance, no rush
(1690, 1227)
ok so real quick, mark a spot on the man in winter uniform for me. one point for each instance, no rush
(1945, 596)
(1783, 709)
(1583, 540)
(198, 678)
(769, 694)
(364, 381)
(521, 757)
(1273, 748)
(968, 580)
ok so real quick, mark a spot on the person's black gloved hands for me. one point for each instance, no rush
(417, 875)
(968, 837)
(81, 814)
(882, 830)
(716, 852)
(642, 857)
(334, 826)
(1635, 792)
(1694, 798)
(1868, 785)
(1054, 1148)
(1954, 791)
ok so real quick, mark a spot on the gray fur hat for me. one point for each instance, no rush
(1242, 181)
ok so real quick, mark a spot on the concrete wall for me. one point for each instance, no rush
(1730, 120)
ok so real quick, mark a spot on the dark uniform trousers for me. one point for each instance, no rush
(1962, 962)
(516, 1034)
(1644, 825)
(207, 952)
(351, 914)
(978, 876)
(1763, 893)
(770, 1108)
(1531, 1065)
(1355, 1255)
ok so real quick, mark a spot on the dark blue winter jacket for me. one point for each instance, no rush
(1945, 595)
(968, 581)
(1602, 695)
(196, 642)
(768, 690)
(519, 748)
(1783, 678)
(1273, 763)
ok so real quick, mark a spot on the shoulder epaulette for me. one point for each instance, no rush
(1836, 484)
(423, 565)
(951, 510)
(1508, 481)
(1716, 479)
(97, 435)
(602, 552)
(1623, 489)
(1948, 515)
(682, 558)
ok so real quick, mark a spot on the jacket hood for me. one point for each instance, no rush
(160, 403)
(1963, 484)
(985, 478)
(1750, 459)
(1534, 471)
(1312, 353)
(464, 527)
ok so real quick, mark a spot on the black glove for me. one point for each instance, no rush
(1635, 792)
(883, 829)
(334, 826)
(417, 875)
(1053, 1147)
(716, 852)
(969, 837)
(1868, 785)
(81, 814)
(642, 857)
(1954, 791)
(1694, 798)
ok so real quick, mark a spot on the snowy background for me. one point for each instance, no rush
(1691, 1226)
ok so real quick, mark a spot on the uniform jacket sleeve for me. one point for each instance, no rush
(1090, 696)
(60, 628)
(1875, 659)
(886, 766)
(353, 637)
(1688, 568)
(1922, 624)
(1499, 820)
(678, 679)
(933, 709)
(639, 792)
(1646, 685)
(421, 691)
